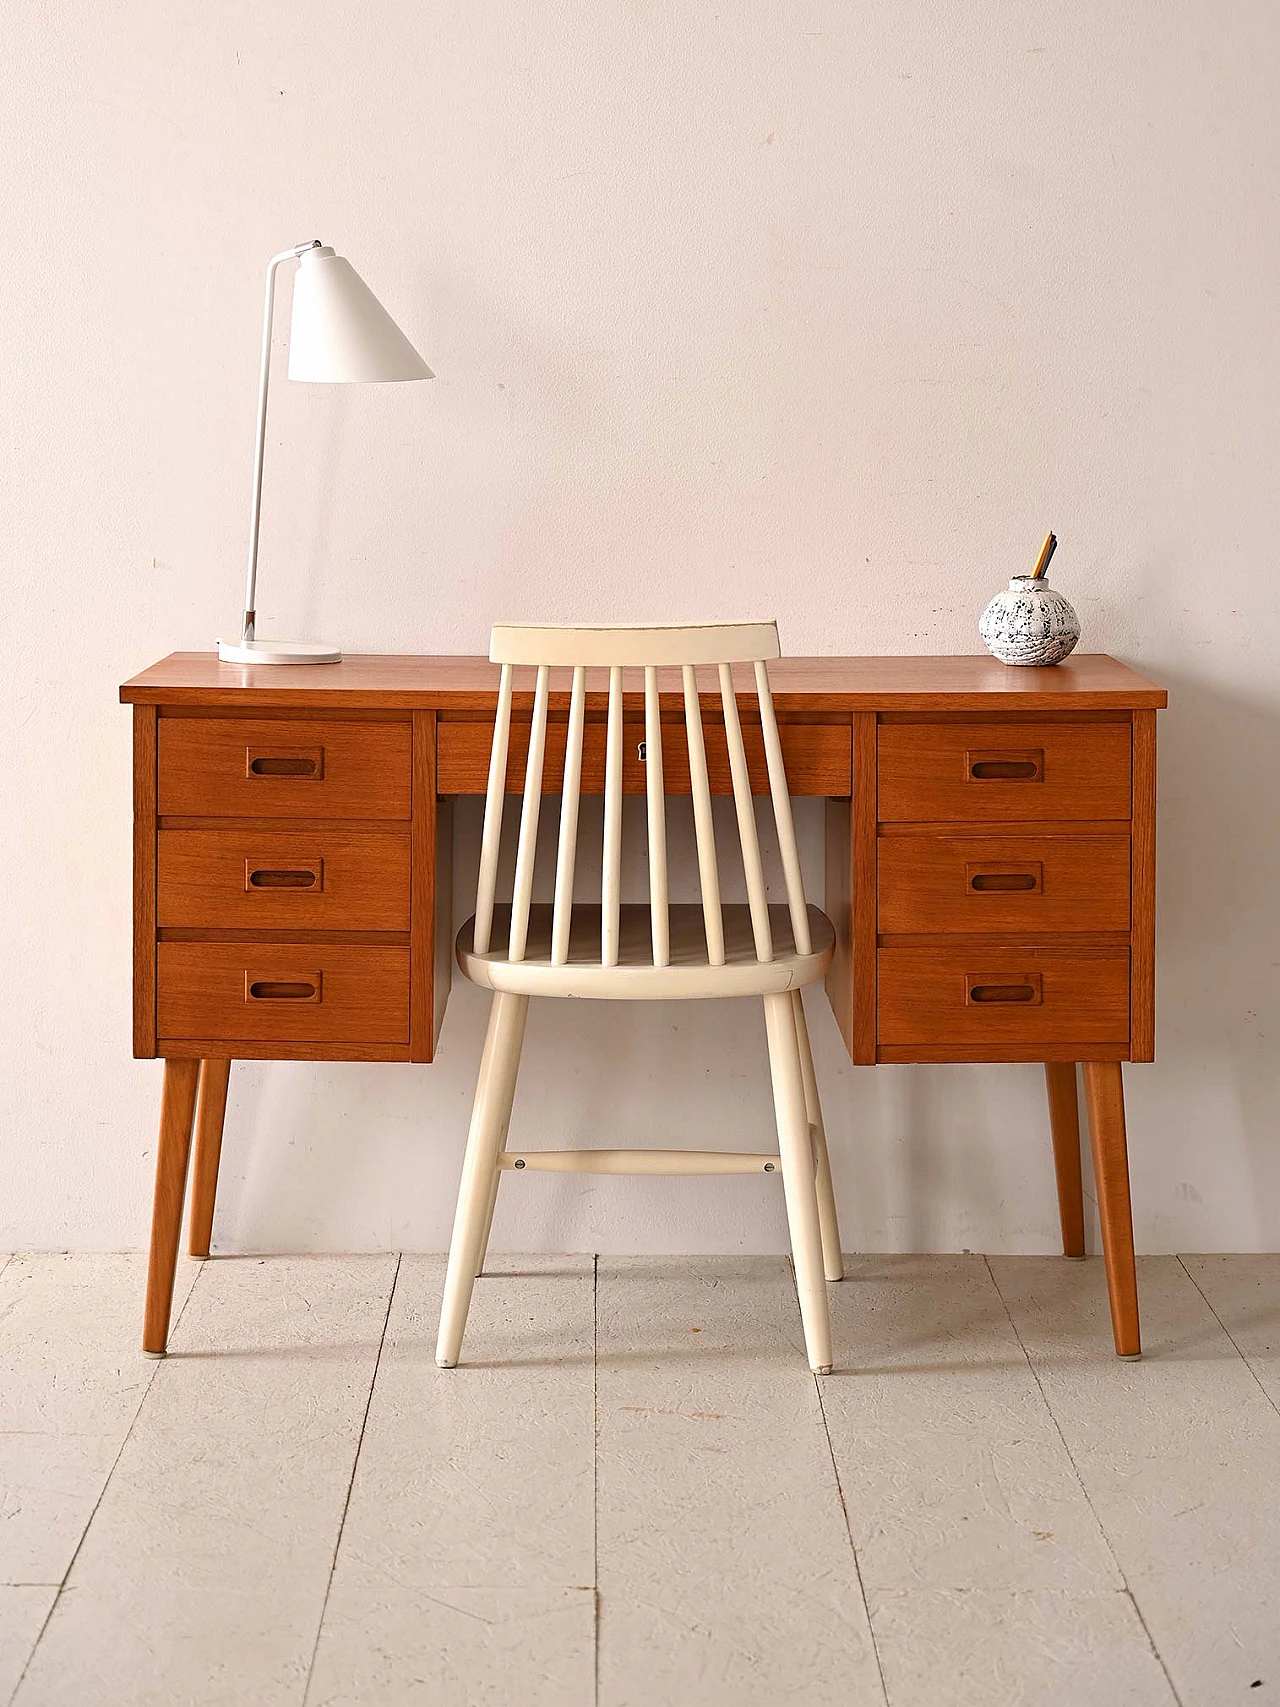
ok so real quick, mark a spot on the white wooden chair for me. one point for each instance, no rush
(658, 952)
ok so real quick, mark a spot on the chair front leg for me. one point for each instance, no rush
(798, 1180)
(493, 1202)
(490, 1113)
(832, 1260)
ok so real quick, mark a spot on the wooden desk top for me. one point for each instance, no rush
(1086, 681)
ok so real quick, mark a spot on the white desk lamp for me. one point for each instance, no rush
(340, 334)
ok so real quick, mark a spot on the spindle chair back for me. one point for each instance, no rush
(651, 649)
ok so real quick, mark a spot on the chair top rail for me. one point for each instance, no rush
(620, 644)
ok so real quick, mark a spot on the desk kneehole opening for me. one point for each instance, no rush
(1024, 990)
(307, 988)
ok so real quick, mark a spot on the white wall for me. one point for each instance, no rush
(798, 307)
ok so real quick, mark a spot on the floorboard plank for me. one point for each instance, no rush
(23, 1610)
(1001, 1648)
(725, 1569)
(72, 1379)
(1244, 1294)
(954, 1473)
(203, 1573)
(466, 1569)
(1178, 1454)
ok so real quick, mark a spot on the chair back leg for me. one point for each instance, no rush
(832, 1260)
(495, 1092)
(798, 1178)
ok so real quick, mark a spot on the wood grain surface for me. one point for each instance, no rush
(363, 993)
(926, 770)
(1083, 995)
(204, 767)
(300, 879)
(816, 756)
(998, 884)
(799, 684)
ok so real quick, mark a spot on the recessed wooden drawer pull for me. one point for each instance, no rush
(982, 882)
(305, 763)
(1005, 767)
(282, 989)
(281, 879)
(1026, 991)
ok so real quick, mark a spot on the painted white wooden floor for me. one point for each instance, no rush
(633, 1493)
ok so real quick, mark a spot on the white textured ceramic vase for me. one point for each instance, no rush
(1031, 623)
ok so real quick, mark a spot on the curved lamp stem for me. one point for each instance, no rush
(259, 447)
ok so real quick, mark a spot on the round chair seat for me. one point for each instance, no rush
(690, 976)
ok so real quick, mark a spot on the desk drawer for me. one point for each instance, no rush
(1002, 883)
(818, 757)
(975, 997)
(975, 772)
(271, 880)
(259, 768)
(282, 992)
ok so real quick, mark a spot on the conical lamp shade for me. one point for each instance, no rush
(341, 333)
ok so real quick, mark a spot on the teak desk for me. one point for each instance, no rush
(990, 871)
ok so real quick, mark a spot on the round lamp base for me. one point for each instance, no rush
(277, 652)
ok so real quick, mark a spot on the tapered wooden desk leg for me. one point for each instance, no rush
(176, 1110)
(1064, 1124)
(211, 1109)
(1104, 1095)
